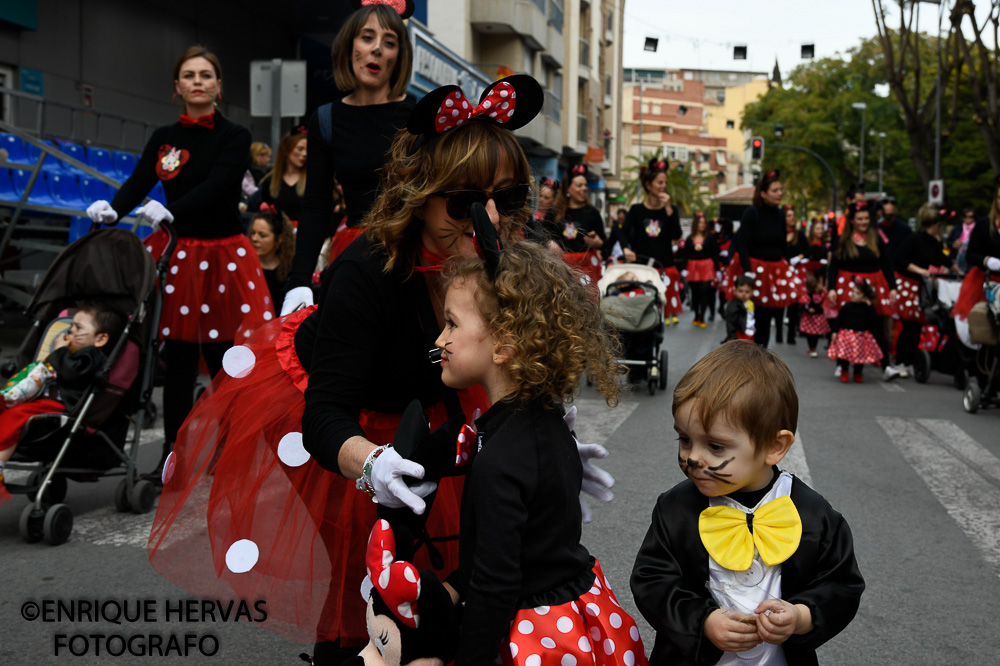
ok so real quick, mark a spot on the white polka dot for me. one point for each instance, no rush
(616, 620)
(203, 265)
(760, 269)
(628, 658)
(634, 633)
(251, 285)
(759, 283)
(454, 113)
(213, 334)
(169, 289)
(242, 556)
(465, 105)
(184, 310)
(268, 316)
(149, 249)
(231, 266)
(493, 115)
(584, 644)
(181, 254)
(763, 299)
(383, 578)
(246, 334)
(567, 660)
(238, 361)
(794, 295)
(487, 104)
(575, 608)
(169, 465)
(449, 103)
(595, 634)
(595, 591)
(505, 105)
(407, 571)
(244, 308)
(673, 301)
(290, 449)
(541, 610)
(533, 660)
(504, 93)
(609, 646)
(166, 331)
(513, 649)
(593, 609)
(548, 643)
(173, 270)
(564, 624)
(241, 251)
(525, 627)
(204, 308)
(222, 288)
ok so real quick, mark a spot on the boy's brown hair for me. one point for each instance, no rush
(748, 385)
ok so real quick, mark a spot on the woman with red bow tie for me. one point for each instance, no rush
(215, 288)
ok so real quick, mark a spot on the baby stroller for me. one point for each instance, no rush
(940, 349)
(638, 318)
(983, 388)
(88, 442)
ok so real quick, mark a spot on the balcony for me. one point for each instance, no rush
(556, 15)
(526, 18)
(553, 106)
(584, 59)
(581, 129)
(555, 47)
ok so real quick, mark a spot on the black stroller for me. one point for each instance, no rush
(983, 387)
(110, 266)
(940, 349)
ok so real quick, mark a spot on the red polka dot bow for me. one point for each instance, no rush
(467, 439)
(398, 583)
(456, 110)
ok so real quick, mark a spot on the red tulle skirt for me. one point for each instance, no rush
(214, 288)
(775, 283)
(700, 270)
(248, 514)
(592, 630)
(673, 304)
(858, 347)
(908, 301)
(972, 292)
(883, 304)
(588, 263)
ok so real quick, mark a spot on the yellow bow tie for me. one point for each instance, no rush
(726, 533)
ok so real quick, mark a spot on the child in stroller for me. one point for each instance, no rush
(638, 318)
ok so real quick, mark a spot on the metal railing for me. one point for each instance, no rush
(553, 105)
(556, 15)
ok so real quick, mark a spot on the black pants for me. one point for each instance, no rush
(178, 386)
(762, 321)
(845, 366)
(699, 298)
(813, 340)
(908, 342)
(793, 312)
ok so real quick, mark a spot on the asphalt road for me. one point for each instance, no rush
(917, 478)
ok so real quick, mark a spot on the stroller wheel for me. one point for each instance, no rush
(30, 524)
(972, 396)
(54, 493)
(57, 525)
(663, 369)
(122, 501)
(143, 496)
(922, 366)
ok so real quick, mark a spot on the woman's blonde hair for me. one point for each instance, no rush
(467, 157)
(257, 149)
(548, 321)
(277, 175)
(284, 240)
(845, 246)
(343, 49)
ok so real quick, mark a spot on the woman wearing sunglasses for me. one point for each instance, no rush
(296, 531)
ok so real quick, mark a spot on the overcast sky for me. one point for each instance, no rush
(701, 34)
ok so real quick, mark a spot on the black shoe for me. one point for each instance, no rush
(155, 477)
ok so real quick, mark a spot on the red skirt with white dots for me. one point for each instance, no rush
(882, 303)
(588, 263)
(214, 289)
(776, 284)
(858, 347)
(673, 304)
(700, 270)
(592, 630)
(908, 302)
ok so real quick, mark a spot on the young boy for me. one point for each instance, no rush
(739, 311)
(68, 371)
(743, 563)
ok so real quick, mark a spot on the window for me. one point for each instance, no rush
(730, 124)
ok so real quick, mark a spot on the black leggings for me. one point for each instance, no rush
(794, 315)
(908, 342)
(700, 292)
(813, 340)
(762, 322)
(845, 366)
(181, 360)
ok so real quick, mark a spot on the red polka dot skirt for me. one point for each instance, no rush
(588, 263)
(592, 630)
(908, 302)
(214, 289)
(858, 347)
(883, 305)
(776, 284)
(701, 270)
(673, 304)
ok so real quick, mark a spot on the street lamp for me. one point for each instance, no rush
(861, 106)
(881, 156)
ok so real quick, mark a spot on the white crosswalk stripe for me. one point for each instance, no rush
(953, 466)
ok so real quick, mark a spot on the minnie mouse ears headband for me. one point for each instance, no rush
(657, 165)
(487, 239)
(510, 103)
(772, 175)
(578, 170)
(403, 7)
(548, 182)
(860, 205)
(397, 582)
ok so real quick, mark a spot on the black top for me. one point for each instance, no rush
(288, 200)
(577, 223)
(521, 525)
(75, 372)
(799, 246)
(651, 232)
(203, 184)
(671, 569)
(364, 347)
(982, 243)
(735, 313)
(893, 234)
(858, 317)
(761, 235)
(361, 139)
(865, 261)
(709, 250)
(922, 250)
(276, 286)
(817, 252)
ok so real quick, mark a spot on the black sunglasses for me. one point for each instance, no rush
(508, 200)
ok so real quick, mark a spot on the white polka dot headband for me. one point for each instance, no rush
(397, 582)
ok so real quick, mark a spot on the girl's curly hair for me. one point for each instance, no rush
(541, 311)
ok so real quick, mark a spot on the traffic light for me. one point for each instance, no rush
(757, 148)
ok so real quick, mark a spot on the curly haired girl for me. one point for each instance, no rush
(526, 330)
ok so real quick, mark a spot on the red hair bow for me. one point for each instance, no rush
(398, 583)
(771, 174)
(456, 109)
(657, 165)
(861, 205)
(578, 170)
(267, 208)
(300, 129)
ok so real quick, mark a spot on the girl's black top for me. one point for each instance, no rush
(288, 200)
(651, 232)
(361, 140)
(761, 235)
(858, 317)
(799, 246)
(922, 250)
(576, 223)
(817, 252)
(521, 525)
(202, 174)
(982, 243)
(709, 250)
(865, 261)
(275, 286)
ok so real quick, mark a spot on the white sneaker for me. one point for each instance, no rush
(890, 373)
(815, 354)
(836, 371)
(903, 370)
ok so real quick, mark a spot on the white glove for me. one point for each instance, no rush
(296, 299)
(391, 490)
(723, 253)
(684, 273)
(750, 275)
(795, 261)
(993, 263)
(101, 212)
(155, 213)
(596, 482)
(248, 185)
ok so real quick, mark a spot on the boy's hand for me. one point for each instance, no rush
(61, 341)
(777, 620)
(730, 635)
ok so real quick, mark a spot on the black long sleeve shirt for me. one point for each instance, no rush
(651, 232)
(983, 243)
(288, 200)
(761, 235)
(858, 317)
(709, 250)
(577, 223)
(865, 261)
(361, 139)
(520, 525)
(922, 250)
(798, 246)
(203, 190)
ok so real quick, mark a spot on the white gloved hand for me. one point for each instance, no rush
(750, 275)
(155, 212)
(596, 482)
(101, 212)
(993, 263)
(684, 274)
(723, 253)
(296, 299)
(391, 490)
(795, 261)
